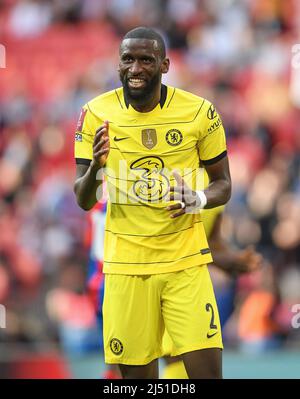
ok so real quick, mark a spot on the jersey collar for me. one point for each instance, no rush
(163, 96)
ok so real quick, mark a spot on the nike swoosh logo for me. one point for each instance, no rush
(211, 335)
(120, 138)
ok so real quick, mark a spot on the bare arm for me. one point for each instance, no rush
(229, 260)
(88, 183)
(87, 186)
(217, 193)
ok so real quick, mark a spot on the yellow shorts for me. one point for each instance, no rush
(138, 309)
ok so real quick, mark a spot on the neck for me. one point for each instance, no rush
(148, 104)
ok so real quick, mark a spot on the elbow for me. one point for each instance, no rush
(227, 193)
(80, 202)
(85, 207)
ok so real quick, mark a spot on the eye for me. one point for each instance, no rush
(127, 58)
(147, 60)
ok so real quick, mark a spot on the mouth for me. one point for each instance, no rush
(136, 83)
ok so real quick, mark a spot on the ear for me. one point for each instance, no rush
(165, 65)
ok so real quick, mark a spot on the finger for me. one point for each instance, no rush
(176, 197)
(180, 213)
(178, 178)
(174, 207)
(177, 189)
(101, 143)
(104, 126)
(99, 148)
(101, 152)
(101, 133)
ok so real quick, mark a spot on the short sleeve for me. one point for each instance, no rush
(84, 136)
(212, 140)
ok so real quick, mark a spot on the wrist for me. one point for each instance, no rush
(202, 199)
(95, 167)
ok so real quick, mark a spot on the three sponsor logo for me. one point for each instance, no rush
(152, 184)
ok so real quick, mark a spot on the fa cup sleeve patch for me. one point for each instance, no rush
(81, 120)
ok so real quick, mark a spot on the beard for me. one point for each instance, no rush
(143, 94)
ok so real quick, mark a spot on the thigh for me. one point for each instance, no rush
(132, 320)
(149, 371)
(190, 311)
(204, 363)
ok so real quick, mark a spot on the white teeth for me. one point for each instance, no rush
(136, 82)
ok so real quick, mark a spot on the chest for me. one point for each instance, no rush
(153, 138)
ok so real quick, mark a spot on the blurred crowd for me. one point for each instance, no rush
(60, 54)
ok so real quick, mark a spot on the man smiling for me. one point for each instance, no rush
(155, 250)
(142, 86)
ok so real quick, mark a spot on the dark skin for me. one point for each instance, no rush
(141, 67)
(88, 183)
(233, 262)
(142, 59)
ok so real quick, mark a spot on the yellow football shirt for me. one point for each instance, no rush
(182, 130)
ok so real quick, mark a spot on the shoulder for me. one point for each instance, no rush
(107, 99)
(194, 107)
(186, 98)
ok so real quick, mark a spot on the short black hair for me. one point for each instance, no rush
(147, 33)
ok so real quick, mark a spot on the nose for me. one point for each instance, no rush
(135, 68)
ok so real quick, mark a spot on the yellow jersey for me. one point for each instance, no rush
(179, 133)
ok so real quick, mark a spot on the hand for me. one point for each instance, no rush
(101, 146)
(247, 260)
(189, 200)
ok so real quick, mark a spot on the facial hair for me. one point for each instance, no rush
(141, 95)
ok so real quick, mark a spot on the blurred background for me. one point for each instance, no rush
(59, 55)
